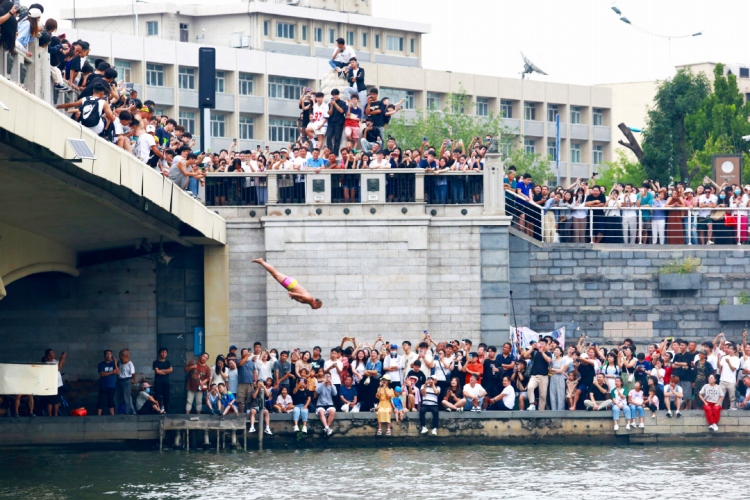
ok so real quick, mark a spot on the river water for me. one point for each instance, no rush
(532, 471)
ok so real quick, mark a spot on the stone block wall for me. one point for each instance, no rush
(613, 294)
(395, 278)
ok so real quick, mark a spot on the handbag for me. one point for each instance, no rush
(367, 381)
(730, 220)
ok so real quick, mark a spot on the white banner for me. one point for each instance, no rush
(31, 379)
(523, 336)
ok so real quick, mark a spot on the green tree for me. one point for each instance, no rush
(623, 170)
(666, 145)
(534, 164)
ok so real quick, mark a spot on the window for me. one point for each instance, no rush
(184, 32)
(218, 125)
(247, 127)
(153, 28)
(285, 88)
(187, 120)
(285, 30)
(433, 101)
(364, 40)
(598, 117)
(124, 70)
(506, 146)
(412, 45)
(598, 155)
(457, 106)
(575, 153)
(575, 114)
(331, 36)
(552, 112)
(397, 94)
(304, 32)
(552, 149)
(350, 38)
(529, 111)
(506, 109)
(221, 81)
(247, 85)
(394, 43)
(744, 72)
(282, 130)
(377, 41)
(265, 27)
(747, 96)
(529, 145)
(154, 75)
(483, 106)
(186, 78)
(318, 34)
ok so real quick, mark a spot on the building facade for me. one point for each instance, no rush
(268, 51)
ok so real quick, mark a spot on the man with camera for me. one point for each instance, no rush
(539, 373)
(430, 396)
(628, 200)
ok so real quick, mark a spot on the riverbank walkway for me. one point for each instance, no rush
(358, 430)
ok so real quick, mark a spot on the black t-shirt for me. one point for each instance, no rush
(300, 397)
(601, 198)
(541, 366)
(74, 65)
(489, 378)
(378, 119)
(305, 115)
(89, 90)
(599, 395)
(372, 135)
(587, 373)
(317, 364)
(685, 374)
(162, 365)
(421, 379)
(337, 117)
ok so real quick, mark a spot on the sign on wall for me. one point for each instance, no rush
(199, 340)
(727, 168)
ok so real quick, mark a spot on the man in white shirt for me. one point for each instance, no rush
(409, 357)
(474, 394)
(706, 201)
(318, 125)
(334, 367)
(728, 366)
(627, 199)
(392, 366)
(341, 55)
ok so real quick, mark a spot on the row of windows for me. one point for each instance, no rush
(287, 31)
(575, 151)
(529, 112)
(218, 124)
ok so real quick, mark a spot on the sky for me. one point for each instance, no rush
(574, 41)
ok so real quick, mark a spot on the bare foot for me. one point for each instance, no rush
(258, 261)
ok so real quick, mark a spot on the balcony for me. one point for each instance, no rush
(283, 107)
(287, 48)
(552, 130)
(160, 95)
(579, 170)
(579, 132)
(602, 134)
(412, 62)
(533, 128)
(225, 102)
(188, 98)
(252, 104)
(512, 124)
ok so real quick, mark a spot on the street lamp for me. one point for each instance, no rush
(669, 38)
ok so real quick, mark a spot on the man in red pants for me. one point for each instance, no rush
(712, 396)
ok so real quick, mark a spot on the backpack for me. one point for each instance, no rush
(90, 115)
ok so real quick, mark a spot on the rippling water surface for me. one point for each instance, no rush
(462, 472)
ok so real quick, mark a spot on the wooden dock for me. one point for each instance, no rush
(230, 424)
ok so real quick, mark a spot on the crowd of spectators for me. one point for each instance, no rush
(587, 212)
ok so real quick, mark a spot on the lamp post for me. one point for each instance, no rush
(669, 38)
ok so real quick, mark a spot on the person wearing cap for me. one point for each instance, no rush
(385, 406)
(29, 28)
(145, 404)
(392, 366)
(146, 149)
(430, 396)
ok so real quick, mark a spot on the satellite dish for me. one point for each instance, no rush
(529, 67)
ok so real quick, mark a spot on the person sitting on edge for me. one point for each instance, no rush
(228, 401)
(296, 292)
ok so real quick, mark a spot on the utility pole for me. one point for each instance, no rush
(135, 17)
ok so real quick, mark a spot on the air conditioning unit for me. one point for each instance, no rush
(238, 41)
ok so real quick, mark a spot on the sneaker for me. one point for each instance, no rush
(449, 409)
(531, 408)
(296, 428)
(653, 415)
(669, 414)
(711, 428)
(627, 427)
(329, 431)
(251, 430)
(424, 430)
(268, 431)
(716, 428)
(641, 426)
(733, 408)
(678, 414)
(474, 408)
(479, 410)
(617, 427)
(461, 408)
(304, 429)
(433, 432)
(709, 242)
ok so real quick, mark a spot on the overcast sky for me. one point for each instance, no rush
(575, 41)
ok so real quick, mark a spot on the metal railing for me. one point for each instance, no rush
(33, 73)
(338, 186)
(645, 225)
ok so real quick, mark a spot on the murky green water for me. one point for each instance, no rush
(463, 472)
